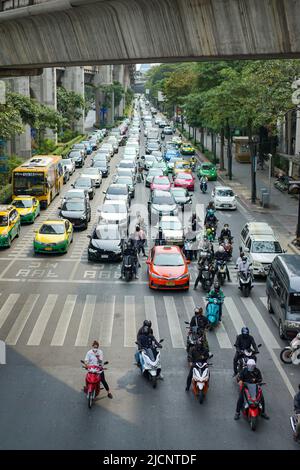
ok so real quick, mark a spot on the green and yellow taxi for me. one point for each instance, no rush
(187, 149)
(10, 224)
(209, 170)
(53, 236)
(28, 207)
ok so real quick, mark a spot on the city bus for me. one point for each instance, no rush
(41, 176)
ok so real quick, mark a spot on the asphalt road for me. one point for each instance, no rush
(51, 308)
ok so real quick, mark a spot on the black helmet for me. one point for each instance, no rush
(245, 331)
(147, 323)
(145, 330)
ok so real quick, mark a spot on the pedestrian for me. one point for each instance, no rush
(140, 239)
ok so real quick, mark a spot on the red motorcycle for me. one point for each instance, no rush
(92, 381)
(252, 407)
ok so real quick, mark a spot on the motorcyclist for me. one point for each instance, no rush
(195, 222)
(210, 218)
(297, 413)
(199, 321)
(217, 293)
(243, 266)
(222, 255)
(147, 323)
(211, 205)
(199, 353)
(225, 233)
(242, 342)
(94, 357)
(240, 258)
(130, 250)
(146, 341)
(206, 245)
(250, 374)
(203, 180)
(204, 258)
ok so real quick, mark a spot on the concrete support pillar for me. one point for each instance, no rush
(43, 89)
(73, 80)
(21, 144)
(297, 143)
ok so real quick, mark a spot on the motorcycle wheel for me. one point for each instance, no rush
(253, 423)
(286, 356)
(154, 382)
(222, 280)
(201, 396)
(90, 400)
(246, 291)
(127, 276)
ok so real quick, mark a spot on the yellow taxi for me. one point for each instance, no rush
(182, 166)
(28, 208)
(10, 224)
(53, 236)
(187, 149)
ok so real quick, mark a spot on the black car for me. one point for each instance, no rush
(77, 157)
(106, 243)
(77, 211)
(85, 183)
(103, 167)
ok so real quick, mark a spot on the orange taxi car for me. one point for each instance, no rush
(168, 268)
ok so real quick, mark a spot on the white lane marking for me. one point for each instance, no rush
(221, 334)
(7, 307)
(189, 306)
(86, 321)
(173, 321)
(263, 328)
(234, 314)
(107, 323)
(269, 340)
(64, 321)
(7, 268)
(42, 321)
(21, 320)
(264, 301)
(129, 322)
(150, 314)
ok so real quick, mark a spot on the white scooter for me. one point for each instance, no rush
(200, 381)
(149, 363)
(291, 354)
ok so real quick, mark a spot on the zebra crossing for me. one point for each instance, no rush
(73, 320)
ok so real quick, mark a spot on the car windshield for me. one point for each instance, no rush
(91, 171)
(85, 182)
(294, 302)
(164, 199)
(182, 165)
(3, 220)
(105, 232)
(184, 176)
(74, 194)
(124, 180)
(114, 209)
(155, 172)
(75, 155)
(224, 193)
(23, 204)
(171, 225)
(170, 259)
(73, 206)
(116, 190)
(127, 164)
(207, 167)
(178, 192)
(160, 180)
(52, 229)
(266, 247)
(67, 161)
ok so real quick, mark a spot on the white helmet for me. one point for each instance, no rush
(221, 249)
(251, 364)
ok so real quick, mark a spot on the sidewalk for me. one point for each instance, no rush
(283, 211)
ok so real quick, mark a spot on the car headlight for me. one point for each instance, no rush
(156, 276)
(292, 324)
(83, 217)
(257, 264)
(184, 276)
(92, 250)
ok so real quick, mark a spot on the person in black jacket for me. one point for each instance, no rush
(242, 342)
(250, 374)
(147, 323)
(199, 354)
(199, 320)
(297, 412)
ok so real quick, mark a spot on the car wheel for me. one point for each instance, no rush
(269, 305)
(281, 330)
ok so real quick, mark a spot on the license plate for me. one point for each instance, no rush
(48, 248)
(170, 284)
(226, 205)
(104, 256)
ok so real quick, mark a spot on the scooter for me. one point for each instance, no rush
(149, 363)
(246, 354)
(227, 247)
(245, 282)
(212, 311)
(221, 272)
(252, 407)
(128, 267)
(92, 380)
(200, 380)
(206, 278)
(194, 334)
(291, 354)
(294, 421)
(203, 187)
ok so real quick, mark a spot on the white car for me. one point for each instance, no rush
(95, 175)
(224, 198)
(114, 212)
(172, 229)
(108, 148)
(70, 164)
(114, 142)
(261, 251)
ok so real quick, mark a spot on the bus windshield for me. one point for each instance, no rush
(32, 184)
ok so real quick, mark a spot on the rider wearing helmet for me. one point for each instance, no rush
(146, 340)
(147, 323)
(250, 374)
(243, 265)
(217, 293)
(130, 250)
(199, 320)
(225, 233)
(222, 255)
(242, 342)
(205, 258)
(200, 353)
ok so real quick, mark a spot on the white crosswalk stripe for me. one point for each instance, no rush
(129, 322)
(7, 307)
(64, 321)
(150, 314)
(22, 318)
(41, 324)
(264, 330)
(221, 334)
(107, 322)
(174, 325)
(86, 321)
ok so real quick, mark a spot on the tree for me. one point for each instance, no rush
(70, 105)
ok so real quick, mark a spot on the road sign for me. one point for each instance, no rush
(147, 91)
(160, 96)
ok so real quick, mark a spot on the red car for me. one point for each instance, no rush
(185, 180)
(168, 268)
(160, 182)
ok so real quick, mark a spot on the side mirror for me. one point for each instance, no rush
(104, 192)
(73, 185)
(161, 340)
(106, 362)
(36, 231)
(59, 207)
(246, 250)
(259, 345)
(88, 236)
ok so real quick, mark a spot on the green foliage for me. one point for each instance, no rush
(6, 194)
(10, 121)
(67, 135)
(70, 105)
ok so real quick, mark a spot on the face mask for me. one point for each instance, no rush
(95, 350)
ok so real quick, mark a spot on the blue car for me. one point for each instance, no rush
(171, 153)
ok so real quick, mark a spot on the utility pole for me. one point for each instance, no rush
(293, 185)
(229, 149)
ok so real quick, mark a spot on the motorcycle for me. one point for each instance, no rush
(212, 311)
(128, 267)
(206, 277)
(149, 363)
(291, 354)
(203, 187)
(210, 233)
(200, 380)
(245, 282)
(92, 380)
(252, 407)
(221, 271)
(227, 247)
(245, 355)
(194, 334)
(294, 421)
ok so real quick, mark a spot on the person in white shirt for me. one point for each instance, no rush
(94, 357)
(243, 265)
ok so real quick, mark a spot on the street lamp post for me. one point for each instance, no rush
(270, 173)
(253, 146)
(296, 184)
(229, 149)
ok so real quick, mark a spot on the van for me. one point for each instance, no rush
(283, 294)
